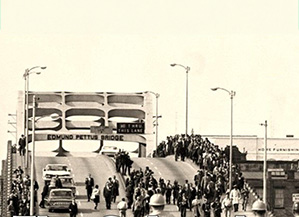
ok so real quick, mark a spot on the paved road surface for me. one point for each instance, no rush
(101, 168)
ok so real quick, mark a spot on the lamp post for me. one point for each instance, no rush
(26, 101)
(157, 116)
(265, 164)
(187, 68)
(32, 192)
(232, 94)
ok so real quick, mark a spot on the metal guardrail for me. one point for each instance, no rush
(2, 189)
(256, 196)
(6, 179)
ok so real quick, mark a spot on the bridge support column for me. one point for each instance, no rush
(100, 148)
(61, 151)
(142, 150)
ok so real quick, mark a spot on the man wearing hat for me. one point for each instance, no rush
(157, 204)
(198, 177)
(235, 196)
(259, 208)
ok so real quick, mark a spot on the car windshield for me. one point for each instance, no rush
(110, 147)
(57, 168)
(61, 193)
(66, 181)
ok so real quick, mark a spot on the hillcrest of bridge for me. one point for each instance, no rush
(90, 116)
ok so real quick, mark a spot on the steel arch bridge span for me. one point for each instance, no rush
(81, 112)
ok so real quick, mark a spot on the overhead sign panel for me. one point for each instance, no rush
(130, 128)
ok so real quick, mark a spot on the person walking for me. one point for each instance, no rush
(168, 192)
(115, 188)
(107, 192)
(95, 196)
(11, 209)
(44, 194)
(216, 207)
(122, 207)
(137, 207)
(73, 208)
(89, 183)
(227, 205)
(184, 205)
(245, 196)
(235, 196)
(22, 145)
(196, 206)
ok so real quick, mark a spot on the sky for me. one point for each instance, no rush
(248, 46)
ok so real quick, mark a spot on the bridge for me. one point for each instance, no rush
(103, 108)
(101, 167)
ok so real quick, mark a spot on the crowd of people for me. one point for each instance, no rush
(212, 180)
(123, 162)
(19, 199)
(110, 191)
(203, 196)
(208, 194)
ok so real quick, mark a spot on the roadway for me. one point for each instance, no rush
(101, 168)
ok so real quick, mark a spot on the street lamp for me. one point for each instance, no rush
(265, 164)
(32, 193)
(157, 116)
(187, 68)
(232, 94)
(26, 101)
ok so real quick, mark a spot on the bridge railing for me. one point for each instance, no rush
(254, 196)
(5, 181)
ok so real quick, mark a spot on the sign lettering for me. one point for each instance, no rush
(130, 128)
(111, 137)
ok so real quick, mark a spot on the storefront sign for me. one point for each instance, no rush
(279, 149)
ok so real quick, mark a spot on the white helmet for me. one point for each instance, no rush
(157, 200)
(258, 205)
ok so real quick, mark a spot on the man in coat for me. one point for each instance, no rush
(107, 192)
(235, 196)
(89, 183)
(115, 188)
(73, 208)
(22, 145)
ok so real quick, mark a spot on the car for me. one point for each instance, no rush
(109, 150)
(66, 182)
(59, 198)
(52, 170)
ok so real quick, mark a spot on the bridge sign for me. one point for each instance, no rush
(296, 197)
(130, 128)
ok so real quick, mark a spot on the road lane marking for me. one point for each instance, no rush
(79, 202)
(152, 163)
(81, 214)
(77, 192)
(156, 168)
(160, 173)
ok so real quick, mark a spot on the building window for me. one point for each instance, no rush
(279, 198)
